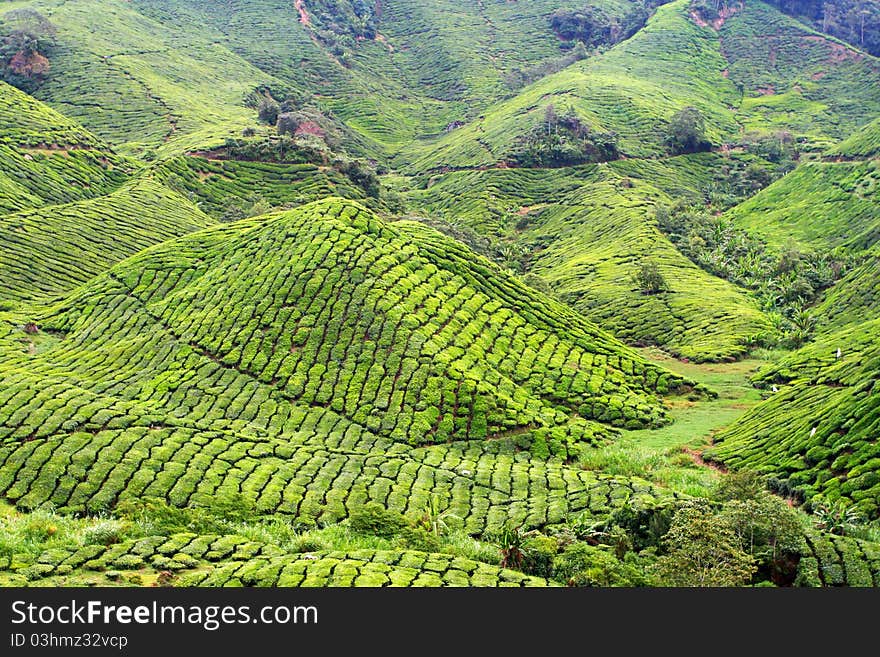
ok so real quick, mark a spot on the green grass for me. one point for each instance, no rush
(668, 456)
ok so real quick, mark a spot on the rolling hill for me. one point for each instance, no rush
(586, 231)
(817, 88)
(438, 293)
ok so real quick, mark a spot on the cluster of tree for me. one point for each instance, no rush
(738, 178)
(854, 21)
(513, 256)
(26, 42)
(687, 132)
(742, 535)
(649, 279)
(305, 134)
(340, 23)
(787, 284)
(563, 140)
(594, 26)
(518, 78)
(302, 121)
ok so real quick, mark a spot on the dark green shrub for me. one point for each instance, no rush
(649, 279)
(581, 564)
(645, 527)
(539, 551)
(268, 111)
(702, 549)
(376, 520)
(687, 132)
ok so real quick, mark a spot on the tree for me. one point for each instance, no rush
(687, 132)
(649, 279)
(703, 550)
(268, 111)
(26, 38)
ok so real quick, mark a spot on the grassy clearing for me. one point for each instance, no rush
(668, 456)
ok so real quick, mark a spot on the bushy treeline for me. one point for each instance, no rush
(340, 23)
(595, 26)
(742, 535)
(27, 39)
(787, 284)
(563, 140)
(854, 21)
(306, 134)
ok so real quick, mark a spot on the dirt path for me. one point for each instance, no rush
(303, 13)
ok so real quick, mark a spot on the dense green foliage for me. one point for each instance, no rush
(586, 232)
(437, 292)
(26, 37)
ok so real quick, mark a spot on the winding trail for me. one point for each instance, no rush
(303, 13)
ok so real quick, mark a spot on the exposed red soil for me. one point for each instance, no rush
(303, 13)
(699, 460)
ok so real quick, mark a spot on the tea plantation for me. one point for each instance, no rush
(437, 293)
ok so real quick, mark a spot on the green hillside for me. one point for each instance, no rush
(168, 381)
(27, 122)
(133, 81)
(438, 293)
(817, 434)
(864, 143)
(49, 251)
(856, 298)
(817, 206)
(815, 88)
(586, 231)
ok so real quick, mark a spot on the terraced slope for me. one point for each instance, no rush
(50, 250)
(47, 158)
(32, 177)
(815, 88)
(819, 205)
(215, 185)
(589, 229)
(230, 560)
(818, 435)
(233, 560)
(303, 360)
(28, 122)
(796, 79)
(133, 81)
(856, 298)
(863, 144)
(416, 76)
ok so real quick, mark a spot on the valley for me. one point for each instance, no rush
(411, 293)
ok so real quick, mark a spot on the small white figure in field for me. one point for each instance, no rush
(839, 352)
(775, 389)
(813, 432)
